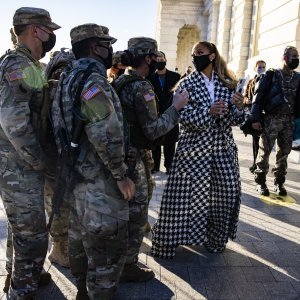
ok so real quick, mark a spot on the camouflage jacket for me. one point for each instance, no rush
(22, 84)
(139, 106)
(100, 106)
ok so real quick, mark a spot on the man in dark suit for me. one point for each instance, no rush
(163, 81)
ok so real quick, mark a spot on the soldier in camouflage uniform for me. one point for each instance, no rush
(277, 96)
(99, 216)
(59, 229)
(139, 108)
(22, 158)
(117, 68)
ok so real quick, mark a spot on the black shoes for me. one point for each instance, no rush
(263, 189)
(153, 171)
(280, 189)
(252, 168)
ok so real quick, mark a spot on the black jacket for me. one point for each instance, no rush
(268, 96)
(165, 96)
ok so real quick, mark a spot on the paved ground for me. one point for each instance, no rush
(262, 263)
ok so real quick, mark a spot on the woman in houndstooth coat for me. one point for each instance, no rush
(201, 201)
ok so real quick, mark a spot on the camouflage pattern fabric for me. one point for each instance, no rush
(98, 221)
(280, 127)
(9, 251)
(21, 157)
(138, 97)
(146, 156)
(86, 31)
(33, 15)
(97, 243)
(59, 227)
(142, 46)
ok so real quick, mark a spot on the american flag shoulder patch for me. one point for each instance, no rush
(91, 92)
(16, 75)
(149, 96)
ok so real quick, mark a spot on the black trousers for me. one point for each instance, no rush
(169, 151)
(255, 147)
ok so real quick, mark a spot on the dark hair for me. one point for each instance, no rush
(19, 29)
(260, 62)
(164, 55)
(82, 49)
(288, 48)
(131, 59)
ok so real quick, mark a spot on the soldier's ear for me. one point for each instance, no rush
(148, 59)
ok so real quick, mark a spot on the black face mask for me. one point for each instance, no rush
(48, 45)
(293, 64)
(108, 60)
(201, 62)
(152, 67)
(161, 65)
(121, 71)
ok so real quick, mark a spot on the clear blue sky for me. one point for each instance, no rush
(124, 18)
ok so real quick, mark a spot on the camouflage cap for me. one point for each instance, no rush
(143, 45)
(86, 31)
(117, 57)
(33, 15)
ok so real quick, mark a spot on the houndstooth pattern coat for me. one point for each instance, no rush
(201, 200)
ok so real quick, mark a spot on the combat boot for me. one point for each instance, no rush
(263, 189)
(59, 254)
(260, 179)
(133, 273)
(280, 189)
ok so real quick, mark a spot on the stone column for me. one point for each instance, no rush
(212, 11)
(172, 16)
(240, 36)
(224, 25)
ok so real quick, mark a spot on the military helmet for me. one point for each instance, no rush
(142, 45)
(90, 30)
(33, 15)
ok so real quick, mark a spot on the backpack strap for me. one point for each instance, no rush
(128, 79)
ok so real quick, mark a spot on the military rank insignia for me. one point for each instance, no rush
(16, 75)
(91, 92)
(149, 96)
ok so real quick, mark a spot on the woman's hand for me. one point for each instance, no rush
(218, 108)
(238, 100)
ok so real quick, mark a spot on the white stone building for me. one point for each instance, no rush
(243, 30)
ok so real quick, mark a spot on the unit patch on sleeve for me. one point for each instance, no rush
(16, 75)
(149, 96)
(91, 92)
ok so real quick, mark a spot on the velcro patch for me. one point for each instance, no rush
(91, 92)
(149, 96)
(16, 75)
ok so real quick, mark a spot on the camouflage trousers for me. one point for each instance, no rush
(22, 196)
(276, 127)
(146, 156)
(59, 228)
(60, 225)
(97, 241)
(138, 214)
